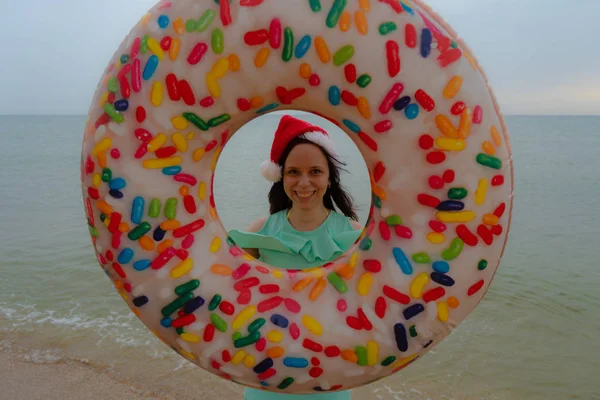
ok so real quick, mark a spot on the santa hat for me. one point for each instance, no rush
(288, 129)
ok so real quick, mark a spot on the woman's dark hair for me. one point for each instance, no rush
(278, 200)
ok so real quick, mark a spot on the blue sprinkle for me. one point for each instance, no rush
(121, 105)
(279, 320)
(303, 46)
(163, 21)
(294, 362)
(166, 322)
(125, 256)
(335, 96)
(407, 8)
(140, 301)
(451, 205)
(159, 234)
(124, 58)
(116, 193)
(150, 67)
(263, 365)
(402, 261)
(193, 305)
(263, 383)
(413, 310)
(441, 266)
(442, 279)
(411, 111)
(400, 335)
(137, 210)
(268, 107)
(117, 184)
(141, 265)
(425, 42)
(352, 126)
(171, 170)
(401, 103)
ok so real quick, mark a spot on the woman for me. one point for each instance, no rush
(303, 229)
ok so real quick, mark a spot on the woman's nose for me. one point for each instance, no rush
(304, 180)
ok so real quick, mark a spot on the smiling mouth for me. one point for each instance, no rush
(304, 195)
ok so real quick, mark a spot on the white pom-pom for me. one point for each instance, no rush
(270, 170)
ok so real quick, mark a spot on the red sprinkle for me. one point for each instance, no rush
(125, 88)
(395, 295)
(207, 101)
(384, 231)
(379, 171)
(448, 176)
(246, 283)
(436, 182)
(119, 270)
(115, 220)
(292, 305)
(254, 38)
(94, 194)
(368, 141)
(426, 142)
(243, 104)
(165, 43)
(182, 254)
(315, 361)
(393, 58)
(449, 56)
(485, 234)
(315, 372)
(350, 73)
(294, 331)
(457, 108)
(165, 152)
(349, 98)
(424, 100)
(498, 180)
(186, 92)
(115, 154)
(354, 322)
(314, 80)
(189, 228)
(227, 307)
(267, 374)
(225, 12)
(475, 288)
(380, 307)
(383, 126)
(268, 289)
(433, 294)
(197, 53)
(244, 297)
(466, 235)
(142, 134)
(127, 287)
(372, 265)
(428, 200)
(364, 320)
(410, 36)
(332, 351)
(496, 230)
(211, 145)
(477, 114)
(209, 333)
(111, 98)
(185, 178)
(394, 4)
(269, 304)
(141, 151)
(499, 211)
(102, 120)
(215, 364)
(403, 232)
(436, 157)
(275, 33)
(437, 226)
(183, 321)
(311, 345)
(240, 271)
(261, 344)
(342, 305)
(172, 87)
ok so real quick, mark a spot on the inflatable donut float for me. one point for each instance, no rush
(417, 105)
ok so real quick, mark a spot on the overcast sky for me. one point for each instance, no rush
(541, 56)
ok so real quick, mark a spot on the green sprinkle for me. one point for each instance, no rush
(247, 340)
(421, 258)
(218, 322)
(154, 210)
(377, 201)
(365, 244)
(139, 231)
(187, 287)
(171, 208)
(335, 12)
(205, 20)
(230, 241)
(393, 220)
(454, 250)
(217, 41)
(454, 45)
(489, 161)
(457, 193)
(344, 54)
(315, 5)
(124, 58)
(387, 27)
(190, 25)
(364, 80)
(144, 45)
(256, 325)
(113, 85)
(288, 47)
(361, 352)
(179, 331)
(413, 331)
(337, 282)
(214, 302)
(482, 265)
(388, 361)
(102, 217)
(93, 231)
(106, 175)
(285, 383)
(112, 113)
(196, 120)
(236, 335)
(221, 119)
(177, 303)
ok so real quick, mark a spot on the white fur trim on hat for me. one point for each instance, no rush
(322, 140)
(270, 171)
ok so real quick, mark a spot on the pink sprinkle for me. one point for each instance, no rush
(342, 305)
(115, 153)
(294, 331)
(292, 305)
(188, 242)
(185, 178)
(236, 251)
(240, 271)
(197, 53)
(477, 114)
(135, 48)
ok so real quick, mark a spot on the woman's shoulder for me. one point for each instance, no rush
(267, 223)
(257, 224)
(341, 222)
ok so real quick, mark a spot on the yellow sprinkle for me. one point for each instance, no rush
(481, 192)
(403, 361)
(446, 127)
(322, 50)
(234, 63)
(436, 237)
(191, 135)
(238, 357)
(213, 85)
(312, 325)
(220, 269)
(145, 19)
(444, 143)
(124, 295)
(243, 316)
(364, 284)
(107, 222)
(442, 311)
(488, 148)
(179, 26)
(278, 274)
(213, 164)
(490, 219)
(179, 141)
(174, 49)
(360, 19)
(345, 21)
(364, 108)
(101, 160)
(202, 191)
(97, 180)
(156, 96)
(257, 102)
(300, 285)
(249, 361)
(495, 136)
(198, 154)
(220, 68)
(190, 337)
(317, 289)
(261, 57)
(103, 99)
(248, 257)
(353, 259)
(305, 71)
(364, 5)
(157, 142)
(372, 353)
(471, 60)
(155, 48)
(215, 245)
(316, 272)
(179, 123)
(275, 336)
(458, 216)
(146, 243)
(183, 268)
(161, 163)
(170, 225)
(452, 87)
(464, 127)
(104, 207)
(275, 352)
(418, 284)
(102, 146)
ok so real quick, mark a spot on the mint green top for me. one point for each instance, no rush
(282, 246)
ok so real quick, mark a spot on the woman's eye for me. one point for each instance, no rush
(292, 172)
(316, 171)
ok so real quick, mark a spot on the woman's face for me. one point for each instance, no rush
(306, 176)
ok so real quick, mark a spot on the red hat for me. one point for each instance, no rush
(288, 129)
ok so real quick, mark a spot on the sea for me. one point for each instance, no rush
(536, 334)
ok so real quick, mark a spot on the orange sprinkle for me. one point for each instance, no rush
(379, 192)
(179, 26)
(275, 352)
(453, 302)
(488, 148)
(257, 102)
(464, 127)
(118, 284)
(302, 284)
(220, 269)
(490, 219)
(346, 271)
(104, 207)
(184, 190)
(364, 108)
(349, 355)
(317, 289)
(261, 57)
(170, 225)
(345, 21)
(234, 63)
(124, 227)
(174, 49)
(360, 19)
(364, 5)
(305, 71)
(495, 136)
(146, 243)
(213, 213)
(165, 245)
